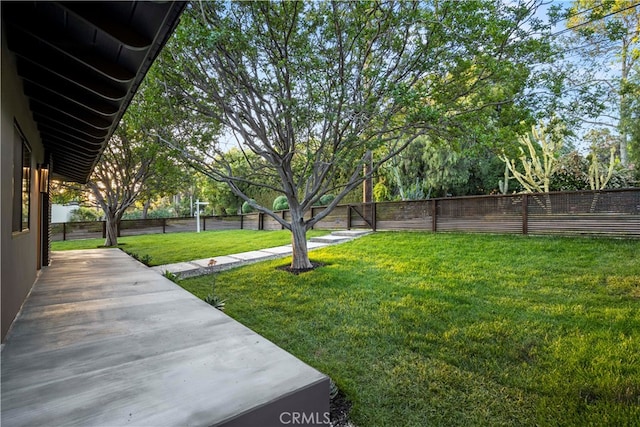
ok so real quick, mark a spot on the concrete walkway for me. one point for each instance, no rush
(204, 266)
(104, 341)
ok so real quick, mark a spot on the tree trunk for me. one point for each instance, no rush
(300, 259)
(300, 252)
(112, 229)
(624, 122)
(145, 208)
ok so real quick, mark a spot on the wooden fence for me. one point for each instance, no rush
(609, 213)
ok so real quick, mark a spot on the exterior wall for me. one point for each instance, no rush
(62, 213)
(18, 251)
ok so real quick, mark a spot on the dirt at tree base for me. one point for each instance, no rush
(297, 271)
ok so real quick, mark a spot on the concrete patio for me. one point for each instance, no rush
(104, 341)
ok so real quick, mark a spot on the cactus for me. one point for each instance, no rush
(599, 181)
(537, 169)
(504, 185)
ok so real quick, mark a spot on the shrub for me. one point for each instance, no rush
(83, 214)
(280, 203)
(247, 208)
(326, 199)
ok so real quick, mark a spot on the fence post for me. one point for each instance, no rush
(374, 216)
(434, 214)
(204, 223)
(525, 214)
(164, 225)
(64, 231)
(348, 217)
(260, 221)
(284, 217)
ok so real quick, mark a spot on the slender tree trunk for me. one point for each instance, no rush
(624, 108)
(145, 208)
(112, 229)
(300, 259)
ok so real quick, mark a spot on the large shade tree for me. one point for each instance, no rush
(120, 176)
(312, 87)
(135, 165)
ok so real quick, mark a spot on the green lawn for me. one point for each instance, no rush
(178, 247)
(426, 329)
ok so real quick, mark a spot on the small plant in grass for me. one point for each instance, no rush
(145, 259)
(171, 276)
(215, 301)
(212, 299)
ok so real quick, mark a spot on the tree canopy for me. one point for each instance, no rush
(601, 48)
(311, 87)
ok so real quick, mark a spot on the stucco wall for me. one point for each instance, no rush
(18, 251)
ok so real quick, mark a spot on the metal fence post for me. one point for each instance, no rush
(164, 225)
(348, 217)
(104, 229)
(64, 231)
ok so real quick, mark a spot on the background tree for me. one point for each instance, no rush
(63, 192)
(311, 87)
(633, 94)
(166, 180)
(120, 175)
(135, 163)
(604, 33)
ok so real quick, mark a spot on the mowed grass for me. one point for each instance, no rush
(179, 247)
(426, 329)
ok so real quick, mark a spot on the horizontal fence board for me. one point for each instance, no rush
(481, 224)
(180, 225)
(221, 223)
(422, 224)
(76, 230)
(140, 231)
(585, 224)
(250, 221)
(335, 220)
(76, 235)
(270, 223)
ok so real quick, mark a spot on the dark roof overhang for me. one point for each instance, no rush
(81, 64)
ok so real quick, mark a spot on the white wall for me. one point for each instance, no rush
(62, 213)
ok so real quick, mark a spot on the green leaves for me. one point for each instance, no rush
(310, 87)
